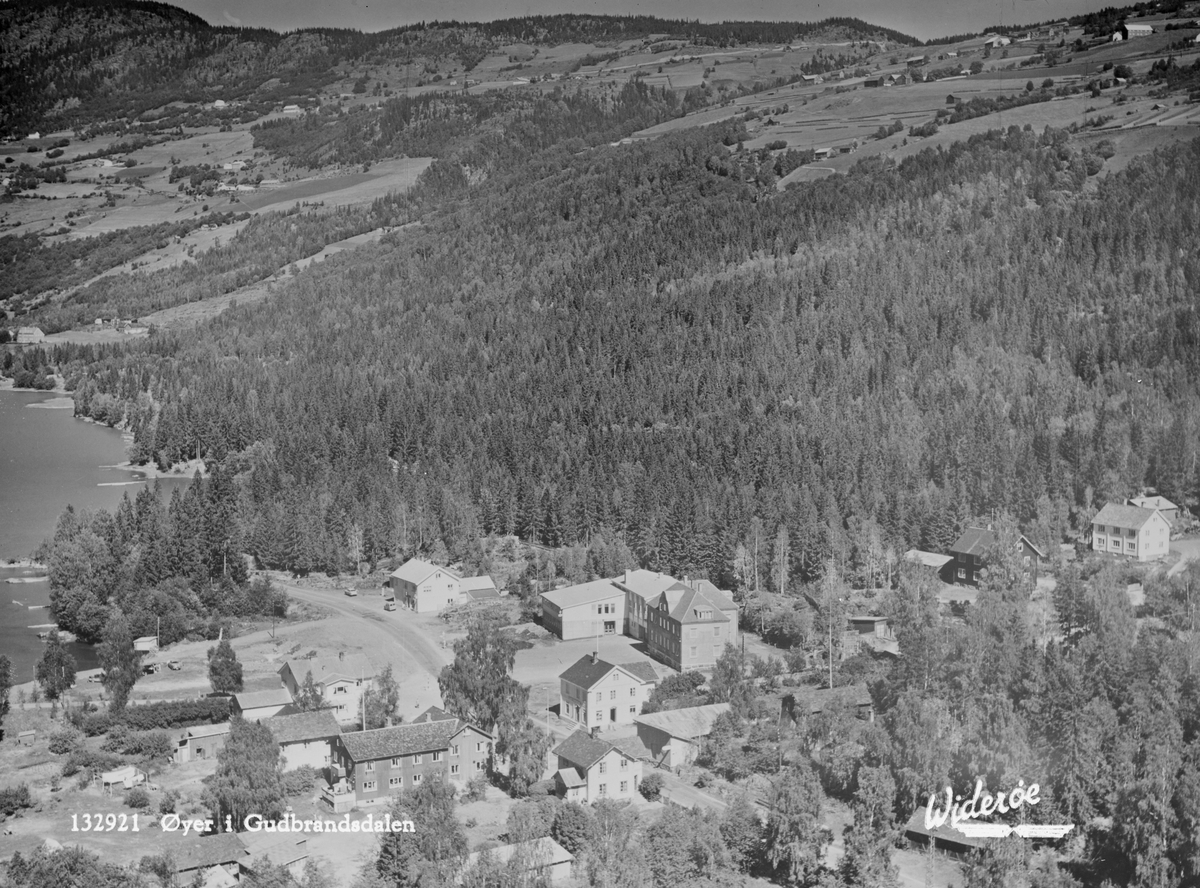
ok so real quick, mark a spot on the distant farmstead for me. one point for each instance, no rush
(30, 335)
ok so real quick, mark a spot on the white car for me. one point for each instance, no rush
(353, 593)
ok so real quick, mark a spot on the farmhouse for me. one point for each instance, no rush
(995, 40)
(811, 79)
(544, 859)
(340, 680)
(585, 610)
(674, 737)
(201, 742)
(591, 769)
(598, 694)
(30, 335)
(305, 738)
(253, 705)
(426, 588)
(1132, 31)
(971, 548)
(688, 628)
(1160, 504)
(371, 766)
(1140, 534)
(915, 61)
(942, 565)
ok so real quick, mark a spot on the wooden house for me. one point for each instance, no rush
(597, 694)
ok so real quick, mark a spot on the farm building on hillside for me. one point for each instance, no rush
(1132, 31)
(971, 548)
(147, 643)
(674, 737)
(584, 610)
(30, 335)
(1140, 534)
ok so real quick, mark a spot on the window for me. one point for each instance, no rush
(479, 747)
(437, 757)
(395, 763)
(692, 652)
(599, 696)
(975, 576)
(454, 749)
(603, 767)
(962, 574)
(416, 759)
(599, 715)
(624, 764)
(369, 786)
(416, 778)
(633, 692)
(454, 769)
(1131, 546)
(624, 786)
(395, 781)
(370, 766)
(633, 710)
(340, 689)
(612, 695)
(716, 631)
(479, 766)
(603, 789)
(616, 676)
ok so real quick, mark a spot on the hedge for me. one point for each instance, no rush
(162, 714)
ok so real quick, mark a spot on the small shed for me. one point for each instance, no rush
(201, 742)
(26, 738)
(123, 778)
(148, 643)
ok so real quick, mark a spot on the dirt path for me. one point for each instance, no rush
(1189, 550)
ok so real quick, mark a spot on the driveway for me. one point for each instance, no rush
(1189, 550)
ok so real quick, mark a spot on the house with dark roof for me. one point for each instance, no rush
(341, 681)
(253, 705)
(590, 769)
(688, 628)
(673, 737)
(944, 838)
(970, 553)
(597, 694)
(305, 738)
(1131, 532)
(584, 610)
(223, 852)
(809, 701)
(372, 766)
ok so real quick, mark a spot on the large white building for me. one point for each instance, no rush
(1140, 534)
(599, 694)
(585, 610)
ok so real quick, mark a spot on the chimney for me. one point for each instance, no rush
(595, 656)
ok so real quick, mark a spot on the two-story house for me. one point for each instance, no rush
(688, 629)
(599, 694)
(970, 556)
(374, 765)
(584, 610)
(305, 738)
(426, 588)
(341, 681)
(591, 769)
(1131, 532)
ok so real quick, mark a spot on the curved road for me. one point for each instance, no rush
(415, 639)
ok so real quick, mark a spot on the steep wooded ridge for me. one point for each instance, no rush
(70, 63)
(629, 342)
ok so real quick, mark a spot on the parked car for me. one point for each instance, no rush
(99, 676)
(174, 665)
(389, 605)
(353, 593)
(150, 668)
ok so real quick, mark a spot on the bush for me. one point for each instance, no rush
(137, 798)
(163, 714)
(13, 799)
(300, 781)
(651, 787)
(1048, 83)
(476, 790)
(166, 805)
(82, 759)
(63, 741)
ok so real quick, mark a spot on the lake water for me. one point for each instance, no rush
(48, 459)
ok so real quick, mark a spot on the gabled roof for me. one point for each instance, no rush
(326, 669)
(810, 701)
(195, 733)
(583, 593)
(587, 672)
(256, 699)
(303, 726)
(645, 584)
(683, 604)
(686, 724)
(365, 746)
(539, 853)
(280, 850)
(974, 541)
(1124, 517)
(478, 584)
(583, 750)
(927, 559)
(644, 671)
(416, 571)
(203, 852)
(1159, 503)
(433, 713)
(570, 777)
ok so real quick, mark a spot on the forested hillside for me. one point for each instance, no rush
(634, 342)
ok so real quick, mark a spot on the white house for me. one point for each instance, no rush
(1132, 31)
(253, 705)
(341, 681)
(426, 588)
(1140, 534)
(1160, 504)
(584, 610)
(30, 335)
(591, 769)
(147, 643)
(598, 694)
(305, 738)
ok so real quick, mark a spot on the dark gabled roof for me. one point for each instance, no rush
(644, 671)
(974, 541)
(683, 603)
(1125, 517)
(686, 724)
(432, 714)
(316, 725)
(583, 750)
(587, 671)
(203, 852)
(381, 743)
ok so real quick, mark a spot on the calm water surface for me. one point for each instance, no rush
(47, 460)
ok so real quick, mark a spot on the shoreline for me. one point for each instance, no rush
(152, 472)
(24, 564)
